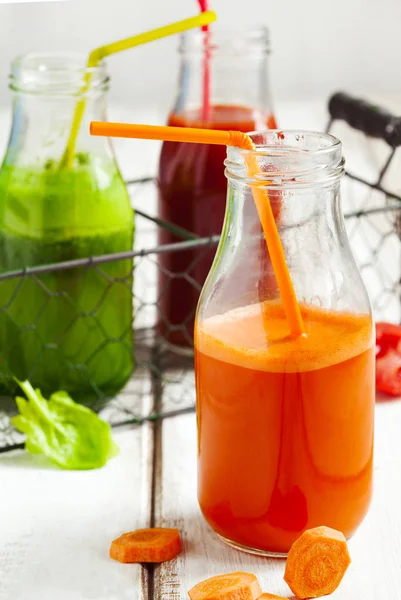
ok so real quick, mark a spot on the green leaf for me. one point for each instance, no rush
(69, 434)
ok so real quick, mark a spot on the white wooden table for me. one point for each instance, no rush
(56, 526)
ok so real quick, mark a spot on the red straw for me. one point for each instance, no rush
(203, 4)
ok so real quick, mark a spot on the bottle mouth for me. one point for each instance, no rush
(288, 159)
(234, 43)
(59, 74)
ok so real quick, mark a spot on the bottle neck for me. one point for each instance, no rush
(287, 160)
(46, 90)
(299, 178)
(236, 68)
(297, 172)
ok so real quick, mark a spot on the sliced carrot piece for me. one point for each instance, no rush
(231, 586)
(267, 596)
(317, 562)
(154, 545)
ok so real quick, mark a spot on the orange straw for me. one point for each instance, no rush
(262, 202)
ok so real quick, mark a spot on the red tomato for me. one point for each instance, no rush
(388, 336)
(388, 373)
(388, 358)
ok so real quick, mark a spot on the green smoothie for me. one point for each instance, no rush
(68, 329)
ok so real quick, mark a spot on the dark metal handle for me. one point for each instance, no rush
(372, 120)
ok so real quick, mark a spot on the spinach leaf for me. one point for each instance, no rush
(69, 434)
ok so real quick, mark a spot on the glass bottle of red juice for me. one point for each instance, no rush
(192, 185)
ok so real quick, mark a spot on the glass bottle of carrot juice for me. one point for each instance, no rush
(223, 84)
(285, 424)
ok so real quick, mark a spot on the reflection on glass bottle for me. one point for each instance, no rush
(192, 186)
(67, 329)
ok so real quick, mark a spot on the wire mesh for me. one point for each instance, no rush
(162, 383)
(373, 218)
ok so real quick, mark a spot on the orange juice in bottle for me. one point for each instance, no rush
(285, 423)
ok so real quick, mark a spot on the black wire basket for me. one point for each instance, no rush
(162, 383)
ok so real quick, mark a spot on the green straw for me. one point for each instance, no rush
(99, 53)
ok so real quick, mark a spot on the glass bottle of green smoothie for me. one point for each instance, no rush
(67, 329)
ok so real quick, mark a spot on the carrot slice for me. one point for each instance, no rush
(317, 562)
(231, 586)
(154, 545)
(267, 596)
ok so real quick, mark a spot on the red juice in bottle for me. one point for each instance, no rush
(192, 194)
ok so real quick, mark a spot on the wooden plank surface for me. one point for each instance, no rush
(375, 573)
(56, 526)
